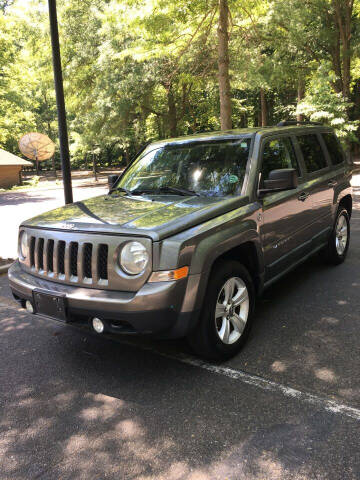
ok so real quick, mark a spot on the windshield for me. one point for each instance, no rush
(206, 168)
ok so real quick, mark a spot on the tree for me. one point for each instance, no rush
(223, 63)
(142, 70)
(4, 4)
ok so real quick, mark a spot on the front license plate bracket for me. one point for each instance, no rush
(50, 304)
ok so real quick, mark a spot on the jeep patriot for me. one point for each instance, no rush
(190, 234)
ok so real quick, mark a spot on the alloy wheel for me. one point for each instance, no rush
(232, 310)
(341, 234)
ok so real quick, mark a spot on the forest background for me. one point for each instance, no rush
(141, 70)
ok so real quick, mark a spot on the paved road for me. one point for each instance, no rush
(16, 207)
(74, 405)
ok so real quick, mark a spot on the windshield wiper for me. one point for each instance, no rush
(164, 189)
(140, 191)
(179, 190)
(120, 189)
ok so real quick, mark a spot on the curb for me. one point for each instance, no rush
(5, 268)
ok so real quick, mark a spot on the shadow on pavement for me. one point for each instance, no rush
(77, 406)
(21, 197)
(306, 327)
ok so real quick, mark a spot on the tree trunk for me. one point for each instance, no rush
(300, 96)
(172, 112)
(158, 119)
(223, 66)
(343, 10)
(356, 116)
(127, 156)
(54, 165)
(109, 156)
(346, 54)
(336, 60)
(263, 108)
(94, 166)
(243, 121)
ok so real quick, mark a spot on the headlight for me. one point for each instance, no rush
(23, 245)
(134, 258)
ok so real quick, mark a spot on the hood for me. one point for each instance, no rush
(156, 217)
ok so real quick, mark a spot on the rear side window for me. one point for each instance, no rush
(312, 152)
(334, 148)
(278, 153)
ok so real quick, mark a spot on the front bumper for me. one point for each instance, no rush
(154, 309)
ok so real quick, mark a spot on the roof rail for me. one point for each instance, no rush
(287, 123)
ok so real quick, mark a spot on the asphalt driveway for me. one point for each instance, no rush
(17, 206)
(74, 405)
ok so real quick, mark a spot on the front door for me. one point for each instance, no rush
(284, 231)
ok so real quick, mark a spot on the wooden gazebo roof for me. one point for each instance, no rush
(7, 158)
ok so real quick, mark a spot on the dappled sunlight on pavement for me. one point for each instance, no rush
(75, 405)
(78, 406)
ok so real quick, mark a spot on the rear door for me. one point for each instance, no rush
(337, 160)
(318, 184)
(285, 216)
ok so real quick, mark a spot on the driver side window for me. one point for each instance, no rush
(278, 153)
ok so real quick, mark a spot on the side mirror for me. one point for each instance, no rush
(112, 179)
(279, 180)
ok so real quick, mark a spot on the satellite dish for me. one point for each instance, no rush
(37, 146)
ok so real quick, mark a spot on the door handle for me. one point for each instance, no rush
(303, 196)
(332, 183)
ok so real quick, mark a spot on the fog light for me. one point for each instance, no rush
(98, 325)
(29, 306)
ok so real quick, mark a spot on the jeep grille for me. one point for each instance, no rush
(80, 262)
(82, 259)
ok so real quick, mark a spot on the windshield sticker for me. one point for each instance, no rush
(233, 179)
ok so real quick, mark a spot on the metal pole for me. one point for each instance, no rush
(60, 102)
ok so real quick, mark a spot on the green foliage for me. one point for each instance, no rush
(322, 104)
(140, 70)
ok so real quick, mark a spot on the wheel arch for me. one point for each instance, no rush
(347, 202)
(248, 252)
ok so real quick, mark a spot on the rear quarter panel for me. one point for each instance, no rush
(343, 188)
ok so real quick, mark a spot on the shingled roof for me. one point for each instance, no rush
(7, 158)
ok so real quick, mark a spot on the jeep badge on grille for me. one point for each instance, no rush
(67, 226)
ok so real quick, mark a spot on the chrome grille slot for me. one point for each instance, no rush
(87, 257)
(102, 261)
(50, 256)
(74, 248)
(61, 257)
(40, 254)
(32, 252)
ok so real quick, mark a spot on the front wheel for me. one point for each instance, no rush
(338, 245)
(226, 316)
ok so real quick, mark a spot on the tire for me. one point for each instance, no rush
(336, 250)
(234, 326)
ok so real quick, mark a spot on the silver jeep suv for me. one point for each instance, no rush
(190, 233)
